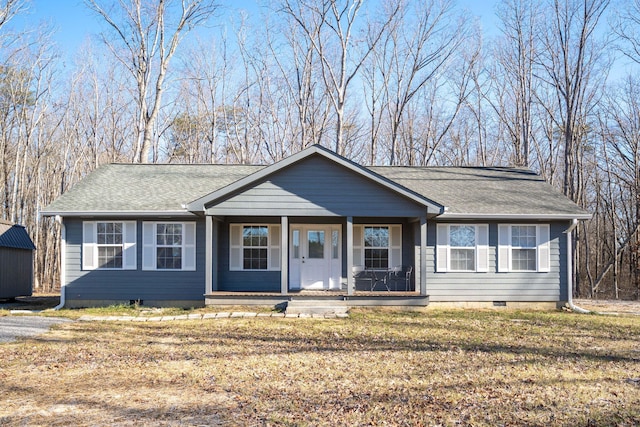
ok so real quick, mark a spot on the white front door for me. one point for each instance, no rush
(315, 257)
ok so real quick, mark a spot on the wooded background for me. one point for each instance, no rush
(388, 82)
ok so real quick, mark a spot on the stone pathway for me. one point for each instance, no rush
(221, 315)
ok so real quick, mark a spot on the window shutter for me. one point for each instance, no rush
(148, 246)
(235, 246)
(129, 256)
(274, 247)
(358, 242)
(544, 250)
(89, 251)
(395, 242)
(189, 247)
(482, 248)
(504, 247)
(442, 247)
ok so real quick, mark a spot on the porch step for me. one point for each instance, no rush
(319, 306)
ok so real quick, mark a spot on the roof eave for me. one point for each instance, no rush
(119, 214)
(508, 216)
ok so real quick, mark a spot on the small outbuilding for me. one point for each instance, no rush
(16, 261)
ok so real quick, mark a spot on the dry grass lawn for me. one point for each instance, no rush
(375, 368)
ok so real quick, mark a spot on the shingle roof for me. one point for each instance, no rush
(462, 190)
(14, 236)
(484, 190)
(146, 187)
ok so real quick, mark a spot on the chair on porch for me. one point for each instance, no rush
(360, 274)
(399, 274)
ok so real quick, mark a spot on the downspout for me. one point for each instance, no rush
(63, 246)
(568, 232)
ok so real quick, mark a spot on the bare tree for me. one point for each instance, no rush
(329, 26)
(514, 73)
(145, 36)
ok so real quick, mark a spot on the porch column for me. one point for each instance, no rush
(215, 239)
(423, 254)
(284, 255)
(350, 279)
(208, 255)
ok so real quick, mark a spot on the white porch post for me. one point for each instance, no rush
(423, 254)
(350, 278)
(284, 255)
(210, 259)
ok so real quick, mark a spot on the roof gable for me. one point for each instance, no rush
(14, 236)
(316, 150)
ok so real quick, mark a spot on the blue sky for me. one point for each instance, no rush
(74, 24)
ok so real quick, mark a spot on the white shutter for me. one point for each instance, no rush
(235, 247)
(482, 248)
(189, 246)
(274, 247)
(129, 256)
(89, 250)
(442, 248)
(395, 243)
(504, 247)
(544, 250)
(358, 243)
(148, 246)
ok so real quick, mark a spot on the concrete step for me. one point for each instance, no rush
(316, 307)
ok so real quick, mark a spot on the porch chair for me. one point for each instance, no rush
(401, 273)
(360, 274)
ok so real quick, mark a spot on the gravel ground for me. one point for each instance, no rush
(14, 327)
(610, 306)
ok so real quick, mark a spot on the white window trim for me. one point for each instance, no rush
(542, 248)
(90, 245)
(395, 251)
(443, 248)
(149, 246)
(273, 249)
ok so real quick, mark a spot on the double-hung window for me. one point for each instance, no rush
(523, 247)
(169, 246)
(254, 247)
(462, 247)
(109, 245)
(377, 246)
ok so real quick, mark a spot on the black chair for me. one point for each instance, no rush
(399, 274)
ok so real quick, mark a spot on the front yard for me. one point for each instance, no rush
(375, 368)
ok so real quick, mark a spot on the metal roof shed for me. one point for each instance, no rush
(16, 261)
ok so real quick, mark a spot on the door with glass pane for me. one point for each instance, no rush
(315, 257)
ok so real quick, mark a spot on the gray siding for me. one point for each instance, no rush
(125, 285)
(16, 272)
(494, 286)
(316, 187)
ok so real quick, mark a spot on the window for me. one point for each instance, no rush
(256, 246)
(462, 247)
(523, 247)
(377, 246)
(109, 245)
(169, 246)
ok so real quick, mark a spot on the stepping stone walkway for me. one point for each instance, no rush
(221, 315)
